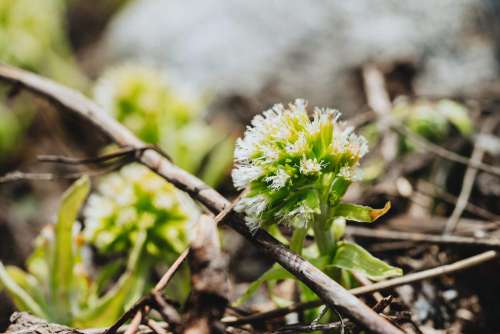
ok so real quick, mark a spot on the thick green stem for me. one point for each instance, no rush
(297, 241)
(323, 236)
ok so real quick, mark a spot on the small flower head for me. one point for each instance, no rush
(290, 162)
(136, 199)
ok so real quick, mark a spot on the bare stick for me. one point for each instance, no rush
(468, 181)
(374, 233)
(380, 102)
(17, 176)
(438, 271)
(428, 146)
(121, 153)
(209, 285)
(21, 176)
(156, 327)
(299, 328)
(407, 279)
(450, 198)
(132, 312)
(134, 324)
(327, 289)
(165, 279)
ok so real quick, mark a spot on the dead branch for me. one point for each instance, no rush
(328, 290)
(379, 100)
(209, 283)
(468, 180)
(374, 233)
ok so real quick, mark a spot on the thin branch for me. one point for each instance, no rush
(379, 100)
(155, 327)
(428, 146)
(28, 176)
(375, 233)
(468, 180)
(342, 324)
(122, 153)
(384, 285)
(18, 176)
(327, 289)
(134, 324)
(450, 198)
(131, 313)
(165, 279)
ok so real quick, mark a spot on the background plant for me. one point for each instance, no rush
(434, 120)
(134, 206)
(141, 99)
(58, 284)
(32, 36)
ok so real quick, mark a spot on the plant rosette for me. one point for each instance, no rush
(296, 170)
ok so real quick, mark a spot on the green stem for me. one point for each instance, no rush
(297, 241)
(323, 237)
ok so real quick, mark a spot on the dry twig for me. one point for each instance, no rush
(374, 233)
(468, 180)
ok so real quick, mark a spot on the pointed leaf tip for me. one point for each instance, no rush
(376, 213)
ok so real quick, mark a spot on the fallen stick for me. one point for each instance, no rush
(375, 233)
(362, 290)
(469, 179)
(332, 293)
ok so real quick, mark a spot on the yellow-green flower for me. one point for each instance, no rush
(134, 200)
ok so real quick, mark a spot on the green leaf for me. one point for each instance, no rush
(220, 158)
(129, 288)
(62, 261)
(457, 115)
(276, 272)
(21, 298)
(114, 303)
(359, 213)
(28, 283)
(353, 257)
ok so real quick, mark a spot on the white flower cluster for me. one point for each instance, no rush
(284, 155)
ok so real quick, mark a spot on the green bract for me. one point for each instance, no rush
(296, 169)
(135, 201)
(141, 99)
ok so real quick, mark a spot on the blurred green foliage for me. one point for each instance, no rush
(58, 285)
(33, 37)
(61, 284)
(136, 201)
(141, 99)
(433, 120)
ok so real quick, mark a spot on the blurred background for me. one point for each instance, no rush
(189, 75)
